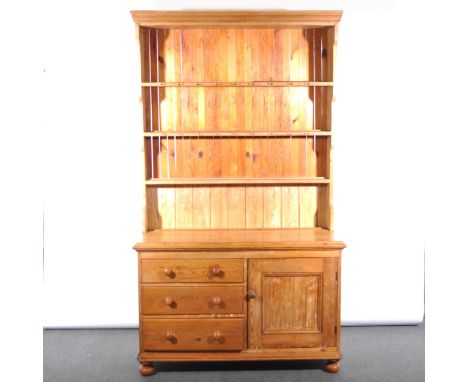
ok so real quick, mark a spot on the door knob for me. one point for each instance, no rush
(168, 300)
(251, 294)
(216, 300)
(216, 271)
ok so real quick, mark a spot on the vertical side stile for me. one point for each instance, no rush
(332, 39)
(284, 201)
(140, 63)
(308, 194)
(305, 99)
(325, 193)
(322, 79)
(314, 63)
(187, 159)
(159, 102)
(162, 148)
(150, 76)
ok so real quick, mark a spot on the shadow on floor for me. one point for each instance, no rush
(238, 366)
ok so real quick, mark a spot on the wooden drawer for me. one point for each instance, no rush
(192, 270)
(206, 299)
(192, 334)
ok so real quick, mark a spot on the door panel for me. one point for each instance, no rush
(299, 310)
(295, 303)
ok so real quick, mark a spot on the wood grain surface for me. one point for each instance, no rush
(200, 299)
(245, 239)
(210, 19)
(199, 270)
(238, 259)
(295, 303)
(193, 334)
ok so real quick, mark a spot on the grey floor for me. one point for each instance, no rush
(384, 353)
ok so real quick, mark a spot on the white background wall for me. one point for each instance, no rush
(93, 169)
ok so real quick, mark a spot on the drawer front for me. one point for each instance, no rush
(192, 334)
(192, 270)
(205, 299)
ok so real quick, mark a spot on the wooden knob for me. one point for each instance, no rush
(168, 300)
(216, 300)
(251, 294)
(217, 335)
(168, 271)
(216, 271)
(170, 335)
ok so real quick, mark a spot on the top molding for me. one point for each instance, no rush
(218, 19)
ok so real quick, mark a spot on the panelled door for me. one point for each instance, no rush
(293, 303)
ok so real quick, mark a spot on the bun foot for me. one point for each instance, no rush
(147, 369)
(332, 366)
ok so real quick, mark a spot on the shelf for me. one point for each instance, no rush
(247, 134)
(238, 84)
(222, 181)
(285, 238)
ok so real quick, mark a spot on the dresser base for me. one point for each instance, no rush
(241, 295)
(147, 369)
(332, 366)
(245, 355)
(331, 356)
